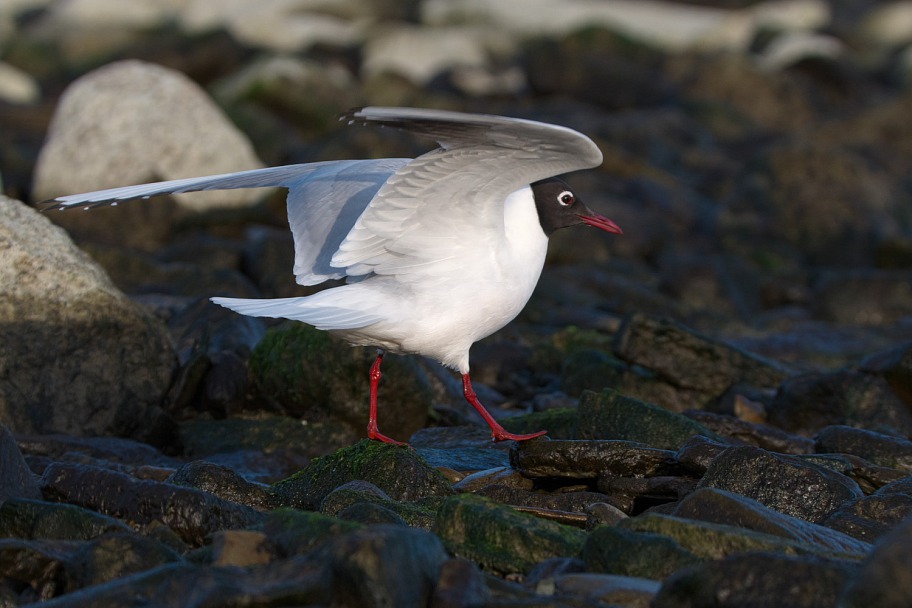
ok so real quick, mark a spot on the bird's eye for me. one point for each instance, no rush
(566, 198)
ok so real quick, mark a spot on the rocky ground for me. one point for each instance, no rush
(727, 386)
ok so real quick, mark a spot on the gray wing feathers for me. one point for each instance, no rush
(323, 207)
(255, 178)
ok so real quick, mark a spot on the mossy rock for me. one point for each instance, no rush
(296, 532)
(398, 471)
(500, 538)
(611, 415)
(617, 550)
(312, 374)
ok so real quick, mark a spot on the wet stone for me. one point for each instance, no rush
(292, 582)
(363, 502)
(700, 368)
(370, 513)
(869, 477)
(715, 541)
(295, 532)
(883, 578)
(503, 476)
(754, 580)
(895, 365)
(738, 431)
(241, 548)
(193, 514)
(383, 565)
(603, 514)
(460, 583)
(696, 455)
(16, 479)
(808, 403)
(880, 449)
(463, 448)
(114, 556)
(266, 448)
(561, 423)
(610, 415)
(589, 459)
(619, 550)
(45, 569)
(572, 502)
(611, 589)
(37, 519)
(781, 482)
(870, 517)
(396, 470)
(222, 482)
(499, 538)
(635, 495)
(717, 506)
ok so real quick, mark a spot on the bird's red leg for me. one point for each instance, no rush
(498, 433)
(372, 431)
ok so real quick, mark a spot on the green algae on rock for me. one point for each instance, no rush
(398, 471)
(500, 538)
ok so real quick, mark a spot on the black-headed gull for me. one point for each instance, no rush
(438, 251)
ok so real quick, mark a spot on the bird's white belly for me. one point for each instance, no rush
(444, 321)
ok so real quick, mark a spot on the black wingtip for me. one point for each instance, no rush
(351, 117)
(49, 205)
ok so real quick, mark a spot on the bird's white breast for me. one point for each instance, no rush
(486, 292)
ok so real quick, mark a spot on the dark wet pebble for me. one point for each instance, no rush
(570, 502)
(402, 570)
(41, 570)
(501, 476)
(589, 459)
(871, 517)
(884, 450)
(739, 431)
(782, 482)
(222, 482)
(193, 514)
(882, 579)
(610, 589)
(808, 403)
(721, 507)
(697, 369)
(460, 584)
(38, 519)
(241, 548)
(756, 579)
(16, 478)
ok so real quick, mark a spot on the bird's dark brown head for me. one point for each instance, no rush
(559, 207)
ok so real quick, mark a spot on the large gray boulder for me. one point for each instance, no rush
(132, 122)
(77, 355)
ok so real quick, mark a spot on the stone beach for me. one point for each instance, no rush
(727, 386)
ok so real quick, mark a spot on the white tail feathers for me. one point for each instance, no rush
(311, 310)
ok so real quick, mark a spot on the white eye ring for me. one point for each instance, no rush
(566, 198)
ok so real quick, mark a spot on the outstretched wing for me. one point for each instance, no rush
(448, 203)
(324, 201)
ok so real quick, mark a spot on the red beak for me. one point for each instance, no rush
(601, 222)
